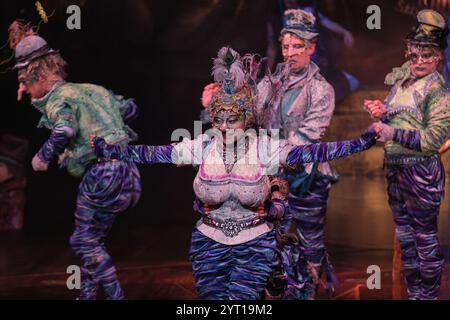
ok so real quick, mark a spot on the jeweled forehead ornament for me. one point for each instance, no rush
(239, 103)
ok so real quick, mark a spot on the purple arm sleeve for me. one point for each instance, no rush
(326, 151)
(134, 153)
(408, 138)
(276, 210)
(55, 144)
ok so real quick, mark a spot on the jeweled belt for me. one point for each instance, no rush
(406, 160)
(231, 227)
(209, 207)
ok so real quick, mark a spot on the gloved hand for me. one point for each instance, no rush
(276, 210)
(104, 150)
(385, 132)
(369, 137)
(286, 233)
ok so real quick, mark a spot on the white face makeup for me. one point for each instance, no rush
(36, 89)
(296, 52)
(424, 61)
(231, 126)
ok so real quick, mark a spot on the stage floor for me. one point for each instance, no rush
(152, 260)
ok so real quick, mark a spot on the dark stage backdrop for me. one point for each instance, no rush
(159, 52)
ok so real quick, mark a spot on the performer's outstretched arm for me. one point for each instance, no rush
(186, 152)
(326, 151)
(142, 154)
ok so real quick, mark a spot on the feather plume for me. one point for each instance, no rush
(228, 70)
(17, 31)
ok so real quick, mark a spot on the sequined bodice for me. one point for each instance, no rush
(246, 182)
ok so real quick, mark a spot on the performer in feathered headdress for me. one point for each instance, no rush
(234, 249)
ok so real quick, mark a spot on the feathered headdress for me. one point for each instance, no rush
(18, 30)
(235, 95)
(228, 70)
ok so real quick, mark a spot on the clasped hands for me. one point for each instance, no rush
(376, 110)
